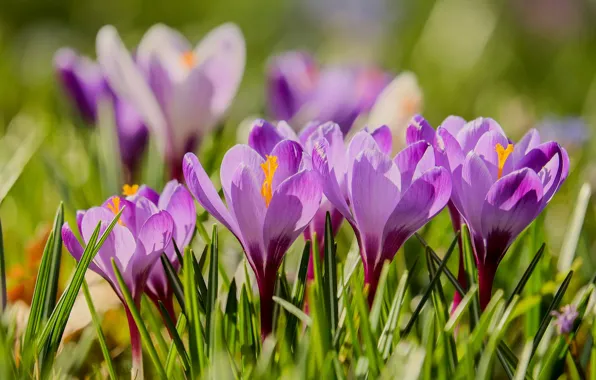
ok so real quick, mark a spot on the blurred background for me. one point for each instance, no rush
(526, 63)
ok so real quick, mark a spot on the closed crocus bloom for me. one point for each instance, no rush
(136, 242)
(84, 82)
(499, 187)
(181, 91)
(178, 203)
(299, 90)
(264, 136)
(387, 200)
(396, 105)
(270, 201)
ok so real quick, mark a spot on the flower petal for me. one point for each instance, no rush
(179, 204)
(289, 159)
(470, 133)
(382, 136)
(486, 149)
(453, 124)
(415, 159)
(471, 183)
(263, 137)
(239, 155)
(292, 208)
(419, 130)
(202, 189)
(530, 141)
(154, 237)
(75, 249)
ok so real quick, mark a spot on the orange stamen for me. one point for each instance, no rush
(269, 167)
(114, 207)
(129, 190)
(503, 153)
(189, 59)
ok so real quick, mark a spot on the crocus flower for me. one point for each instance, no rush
(264, 136)
(270, 201)
(181, 91)
(387, 200)
(565, 319)
(499, 187)
(85, 83)
(136, 242)
(299, 90)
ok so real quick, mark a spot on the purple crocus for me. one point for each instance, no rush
(299, 90)
(136, 242)
(270, 201)
(176, 201)
(181, 91)
(84, 82)
(565, 319)
(264, 136)
(387, 200)
(499, 187)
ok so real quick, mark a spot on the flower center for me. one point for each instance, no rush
(129, 190)
(114, 207)
(189, 59)
(503, 153)
(269, 167)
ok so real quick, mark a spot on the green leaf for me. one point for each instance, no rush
(145, 336)
(553, 306)
(212, 293)
(298, 292)
(55, 258)
(526, 276)
(290, 308)
(574, 229)
(460, 309)
(524, 361)
(174, 281)
(386, 338)
(195, 338)
(179, 346)
(180, 327)
(368, 338)
(429, 289)
(375, 310)
(330, 277)
(471, 274)
(100, 336)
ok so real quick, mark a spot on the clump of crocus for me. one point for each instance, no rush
(270, 201)
(86, 85)
(264, 136)
(499, 187)
(142, 233)
(181, 91)
(565, 319)
(387, 200)
(299, 90)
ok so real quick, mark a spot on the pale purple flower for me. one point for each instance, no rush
(499, 187)
(264, 136)
(299, 90)
(565, 319)
(385, 200)
(85, 83)
(136, 242)
(181, 91)
(269, 204)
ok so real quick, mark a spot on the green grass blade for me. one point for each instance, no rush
(179, 346)
(212, 293)
(290, 308)
(429, 289)
(298, 292)
(145, 336)
(524, 361)
(368, 338)
(526, 276)
(471, 274)
(55, 259)
(100, 336)
(375, 310)
(180, 327)
(330, 277)
(196, 348)
(386, 338)
(174, 281)
(574, 229)
(460, 309)
(553, 306)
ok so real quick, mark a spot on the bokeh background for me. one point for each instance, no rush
(526, 63)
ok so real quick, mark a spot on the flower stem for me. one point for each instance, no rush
(266, 292)
(486, 277)
(136, 372)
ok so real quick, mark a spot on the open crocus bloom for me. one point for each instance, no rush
(298, 90)
(499, 187)
(136, 242)
(387, 200)
(270, 202)
(181, 91)
(84, 82)
(264, 136)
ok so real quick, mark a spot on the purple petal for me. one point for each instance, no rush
(448, 152)
(486, 149)
(178, 202)
(384, 139)
(469, 135)
(248, 207)
(289, 158)
(361, 142)
(373, 203)
(144, 209)
(328, 178)
(154, 238)
(551, 162)
(263, 137)
(292, 208)
(80, 215)
(511, 205)
(471, 184)
(74, 247)
(132, 133)
(530, 141)
(202, 189)
(453, 124)
(415, 159)
(419, 130)
(147, 192)
(239, 155)
(286, 131)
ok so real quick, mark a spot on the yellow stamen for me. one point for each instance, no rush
(129, 190)
(503, 153)
(189, 59)
(269, 167)
(114, 207)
